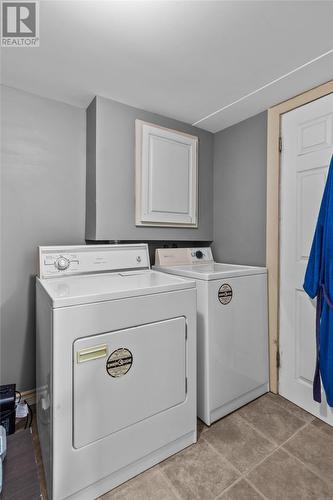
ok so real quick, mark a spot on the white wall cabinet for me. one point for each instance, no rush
(166, 176)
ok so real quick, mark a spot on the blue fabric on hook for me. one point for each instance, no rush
(318, 283)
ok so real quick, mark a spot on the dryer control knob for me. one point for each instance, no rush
(62, 263)
(199, 254)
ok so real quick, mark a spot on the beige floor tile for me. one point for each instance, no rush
(319, 424)
(240, 491)
(315, 449)
(199, 472)
(288, 405)
(150, 485)
(238, 442)
(271, 419)
(281, 476)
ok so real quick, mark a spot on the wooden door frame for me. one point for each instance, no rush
(273, 217)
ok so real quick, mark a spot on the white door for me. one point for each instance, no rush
(307, 147)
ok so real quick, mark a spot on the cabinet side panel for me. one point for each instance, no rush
(91, 171)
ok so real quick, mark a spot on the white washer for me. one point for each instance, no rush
(232, 328)
(116, 366)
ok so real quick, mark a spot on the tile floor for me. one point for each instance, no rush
(268, 449)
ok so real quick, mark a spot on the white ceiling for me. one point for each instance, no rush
(183, 59)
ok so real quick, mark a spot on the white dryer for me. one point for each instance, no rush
(232, 328)
(116, 366)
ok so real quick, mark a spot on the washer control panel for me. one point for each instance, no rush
(183, 256)
(201, 255)
(86, 259)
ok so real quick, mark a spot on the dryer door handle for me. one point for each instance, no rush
(90, 353)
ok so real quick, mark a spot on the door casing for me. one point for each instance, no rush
(273, 217)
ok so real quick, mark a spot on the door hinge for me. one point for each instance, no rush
(280, 144)
(278, 359)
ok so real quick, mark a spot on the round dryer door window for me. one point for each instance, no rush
(119, 362)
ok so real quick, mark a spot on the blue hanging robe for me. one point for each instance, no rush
(319, 283)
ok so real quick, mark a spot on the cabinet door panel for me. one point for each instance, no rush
(166, 176)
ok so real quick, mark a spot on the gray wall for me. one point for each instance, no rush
(240, 192)
(111, 186)
(43, 203)
(43, 199)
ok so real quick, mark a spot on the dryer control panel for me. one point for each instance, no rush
(91, 259)
(183, 256)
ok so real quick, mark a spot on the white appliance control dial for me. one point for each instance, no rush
(62, 263)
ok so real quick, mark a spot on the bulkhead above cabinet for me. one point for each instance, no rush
(179, 191)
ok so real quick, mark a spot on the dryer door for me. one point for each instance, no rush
(126, 376)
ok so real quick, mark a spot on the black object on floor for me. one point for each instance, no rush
(7, 407)
(20, 474)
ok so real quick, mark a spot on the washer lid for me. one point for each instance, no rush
(212, 270)
(74, 290)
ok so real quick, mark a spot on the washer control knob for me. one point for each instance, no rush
(199, 254)
(62, 263)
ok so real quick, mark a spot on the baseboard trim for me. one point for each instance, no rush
(29, 396)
